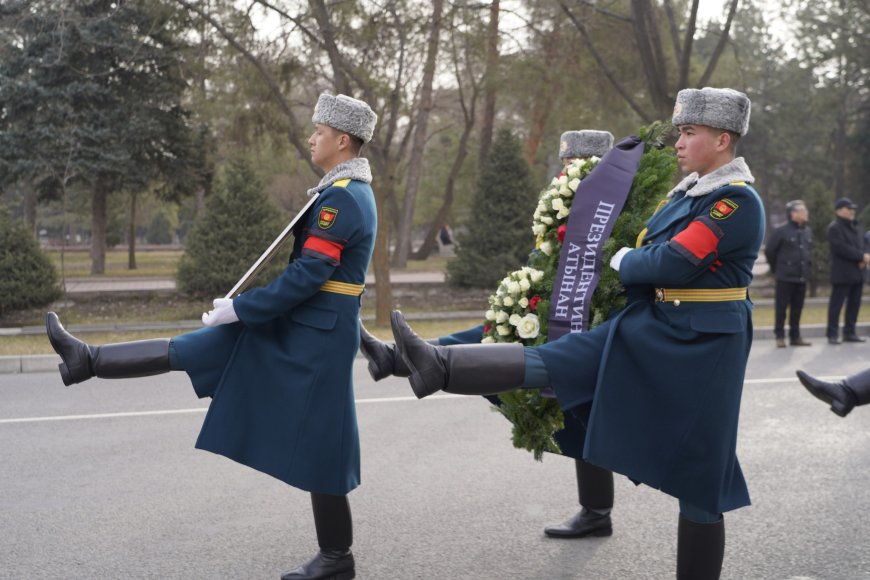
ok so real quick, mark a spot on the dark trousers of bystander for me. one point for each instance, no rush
(851, 295)
(789, 296)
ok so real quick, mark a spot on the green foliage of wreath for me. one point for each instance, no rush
(536, 418)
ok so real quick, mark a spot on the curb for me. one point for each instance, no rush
(41, 363)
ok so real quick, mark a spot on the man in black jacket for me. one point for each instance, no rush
(848, 262)
(788, 253)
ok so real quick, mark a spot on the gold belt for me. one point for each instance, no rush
(700, 294)
(343, 288)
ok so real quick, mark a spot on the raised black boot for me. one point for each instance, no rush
(471, 369)
(334, 527)
(123, 360)
(384, 359)
(595, 488)
(700, 550)
(842, 396)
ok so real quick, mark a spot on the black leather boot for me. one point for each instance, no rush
(122, 360)
(384, 359)
(595, 492)
(842, 396)
(471, 369)
(700, 550)
(326, 565)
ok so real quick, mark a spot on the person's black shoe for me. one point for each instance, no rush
(833, 340)
(780, 343)
(75, 354)
(799, 342)
(854, 338)
(837, 395)
(584, 523)
(326, 565)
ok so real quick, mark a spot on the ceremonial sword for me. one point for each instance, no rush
(270, 252)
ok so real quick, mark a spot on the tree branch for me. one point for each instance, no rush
(602, 65)
(687, 46)
(720, 46)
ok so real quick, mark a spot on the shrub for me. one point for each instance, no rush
(28, 279)
(239, 224)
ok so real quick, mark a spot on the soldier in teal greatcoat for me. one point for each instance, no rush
(277, 361)
(594, 484)
(664, 375)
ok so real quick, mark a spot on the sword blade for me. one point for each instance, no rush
(270, 252)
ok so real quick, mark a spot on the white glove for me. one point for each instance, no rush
(617, 258)
(223, 313)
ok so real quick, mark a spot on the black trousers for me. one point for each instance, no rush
(851, 295)
(332, 521)
(789, 296)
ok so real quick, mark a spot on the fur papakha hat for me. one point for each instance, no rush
(585, 144)
(718, 108)
(345, 114)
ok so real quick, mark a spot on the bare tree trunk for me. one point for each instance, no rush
(487, 125)
(545, 94)
(131, 241)
(99, 196)
(415, 165)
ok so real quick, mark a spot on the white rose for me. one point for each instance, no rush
(557, 204)
(496, 300)
(594, 159)
(490, 314)
(574, 184)
(539, 229)
(547, 248)
(524, 285)
(555, 181)
(574, 170)
(529, 326)
(508, 301)
(487, 339)
(513, 288)
(547, 220)
(503, 330)
(501, 316)
(524, 302)
(522, 274)
(537, 275)
(563, 213)
(514, 319)
(567, 193)
(563, 180)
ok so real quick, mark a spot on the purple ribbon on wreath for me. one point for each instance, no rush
(597, 204)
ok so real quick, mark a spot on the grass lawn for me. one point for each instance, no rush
(151, 263)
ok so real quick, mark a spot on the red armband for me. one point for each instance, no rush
(322, 248)
(698, 240)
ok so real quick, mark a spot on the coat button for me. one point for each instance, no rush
(676, 302)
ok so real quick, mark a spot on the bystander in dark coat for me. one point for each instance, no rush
(848, 263)
(788, 253)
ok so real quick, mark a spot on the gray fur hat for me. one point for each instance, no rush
(345, 114)
(584, 144)
(718, 108)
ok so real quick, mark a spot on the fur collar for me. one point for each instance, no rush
(735, 170)
(357, 169)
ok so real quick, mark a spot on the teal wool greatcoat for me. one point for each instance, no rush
(280, 377)
(665, 378)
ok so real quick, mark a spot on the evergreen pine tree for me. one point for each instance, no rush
(28, 279)
(497, 237)
(239, 224)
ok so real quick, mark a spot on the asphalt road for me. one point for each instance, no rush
(101, 481)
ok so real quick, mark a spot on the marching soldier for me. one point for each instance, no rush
(277, 361)
(594, 484)
(665, 374)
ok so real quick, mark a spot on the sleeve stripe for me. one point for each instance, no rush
(326, 236)
(698, 239)
(320, 247)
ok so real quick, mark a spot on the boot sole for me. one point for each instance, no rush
(600, 533)
(839, 408)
